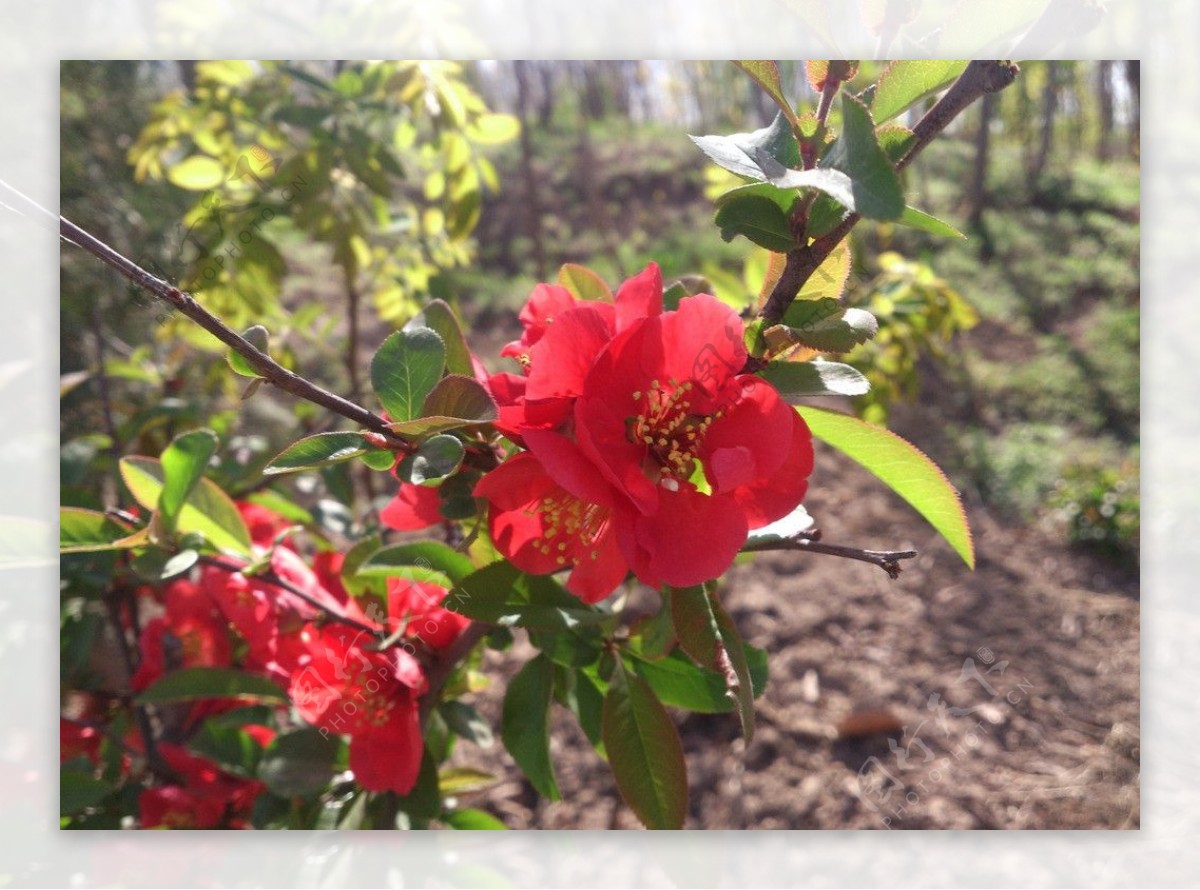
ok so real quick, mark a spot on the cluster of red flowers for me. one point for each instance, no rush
(337, 677)
(646, 448)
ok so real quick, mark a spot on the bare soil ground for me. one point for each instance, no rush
(1002, 698)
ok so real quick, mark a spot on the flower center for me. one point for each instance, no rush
(669, 430)
(570, 520)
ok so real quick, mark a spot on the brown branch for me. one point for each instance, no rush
(188, 307)
(979, 78)
(810, 541)
(444, 663)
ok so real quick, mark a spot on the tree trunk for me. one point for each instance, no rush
(1049, 110)
(1104, 100)
(533, 210)
(977, 196)
(1133, 74)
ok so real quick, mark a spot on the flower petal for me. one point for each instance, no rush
(415, 507)
(388, 757)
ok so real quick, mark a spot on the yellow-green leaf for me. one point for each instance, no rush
(197, 173)
(208, 511)
(901, 466)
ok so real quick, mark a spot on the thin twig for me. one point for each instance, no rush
(141, 715)
(270, 577)
(188, 307)
(888, 560)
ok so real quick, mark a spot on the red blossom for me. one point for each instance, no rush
(206, 797)
(417, 607)
(647, 448)
(414, 507)
(191, 633)
(372, 697)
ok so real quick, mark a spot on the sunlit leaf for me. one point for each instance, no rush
(207, 511)
(901, 466)
(904, 83)
(405, 369)
(198, 173)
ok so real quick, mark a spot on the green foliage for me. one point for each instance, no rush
(1100, 506)
(379, 163)
(919, 316)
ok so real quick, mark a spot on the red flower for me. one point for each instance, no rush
(541, 526)
(206, 797)
(417, 606)
(370, 696)
(75, 740)
(264, 524)
(703, 452)
(413, 508)
(647, 448)
(191, 633)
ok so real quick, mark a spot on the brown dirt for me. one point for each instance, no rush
(1012, 690)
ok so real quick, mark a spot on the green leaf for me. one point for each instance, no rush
(583, 693)
(875, 186)
(88, 531)
(493, 129)
(460, 397)
(766, 75)
(759, 219)
(424, 802)
(834, 183)
(815, 378)
(300, 763)
(824, 325)
(583, 283)
(915, 219)
(708, 635)
(321, 450)
(473, 820)
(183, 463)
(424, 554)
(231, 747)
(753, 155)
(645, 752)
(156, 565)
(440, 318)
(207, 511)
(525, 723)
(188, 684)
(199, 173)
(905, 83)
(258, 337)
(405, 369)
(466, 722)
(901, 466)
(78, 790)
(383, 459)
(501, 594)
(681, 683)
(784, 199)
